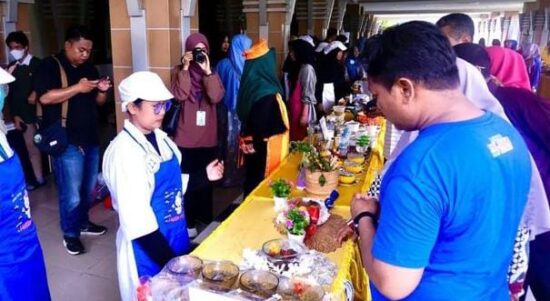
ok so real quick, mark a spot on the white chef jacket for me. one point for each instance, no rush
(129, 172)
(5, 146)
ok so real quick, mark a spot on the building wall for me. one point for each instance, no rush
(164, 43)
(23, 23)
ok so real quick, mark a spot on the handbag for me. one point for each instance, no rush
(52, 139)
(171, 118)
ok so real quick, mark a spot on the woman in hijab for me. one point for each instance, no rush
(198, 89)
(531, 55)
(332, 75)
(511, 44)
(530, 115)
(221, 48)
(354, 66)
(290, 72)
(509, 68)
(263, 115)
(230, 70)
(302, 100)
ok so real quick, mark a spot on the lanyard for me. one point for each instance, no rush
(142, 147)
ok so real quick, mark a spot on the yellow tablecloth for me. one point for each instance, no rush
(544, 87)
(252, 224)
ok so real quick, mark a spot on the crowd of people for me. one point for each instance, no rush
(463, 205)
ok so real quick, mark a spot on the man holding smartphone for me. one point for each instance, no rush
(76, 168)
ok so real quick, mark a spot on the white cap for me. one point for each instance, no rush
(308, 39)
(321, 46)
(5, 77)
(144, 85)
(333, 45)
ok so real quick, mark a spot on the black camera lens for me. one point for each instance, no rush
(198, 55)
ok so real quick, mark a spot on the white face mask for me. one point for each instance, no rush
(17, 54)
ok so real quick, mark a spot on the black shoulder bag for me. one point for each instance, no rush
(52, 140)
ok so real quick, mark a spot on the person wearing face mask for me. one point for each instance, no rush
(21, 100)
(76, 168)
(22, 268)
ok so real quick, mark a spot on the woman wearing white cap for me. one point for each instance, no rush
(142, 170)
(332, 75)
(22, 269)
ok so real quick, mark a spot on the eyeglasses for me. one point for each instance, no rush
(157, 107)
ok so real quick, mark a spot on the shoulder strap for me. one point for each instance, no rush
(65, 103)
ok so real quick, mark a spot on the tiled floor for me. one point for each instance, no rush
(91, 276)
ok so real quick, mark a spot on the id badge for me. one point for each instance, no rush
(201, 118)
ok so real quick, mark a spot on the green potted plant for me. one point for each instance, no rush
(281, 190)
(321, 171)
(296, 222)
(362, 144)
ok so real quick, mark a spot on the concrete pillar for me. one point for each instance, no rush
(274, 29)
(18, 19)
(162, 35)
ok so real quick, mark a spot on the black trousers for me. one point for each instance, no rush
(198, 197)
(17, 142)
(538, 273)
(255, 167)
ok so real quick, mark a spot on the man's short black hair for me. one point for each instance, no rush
(416, 50)
(18, 37)
(77, 32)
(459, 23)
(476, 55)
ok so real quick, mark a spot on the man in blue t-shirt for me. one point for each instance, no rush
(451, 203)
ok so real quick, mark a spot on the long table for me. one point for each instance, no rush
(250, 225)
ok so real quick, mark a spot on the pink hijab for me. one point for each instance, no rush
(195, 71)
(508, 67)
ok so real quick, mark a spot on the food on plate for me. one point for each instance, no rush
(261, 283)
(325, 239)
(356, 157)
(187, 265)
(299, 290)
(220, 275)
(352, 166)
(282, 249)
(346, 177)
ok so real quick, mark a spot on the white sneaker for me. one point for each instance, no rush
(192, 232)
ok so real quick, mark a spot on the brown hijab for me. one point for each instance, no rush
(195, 71)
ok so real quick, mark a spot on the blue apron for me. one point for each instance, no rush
(22, 269)
(167, 204)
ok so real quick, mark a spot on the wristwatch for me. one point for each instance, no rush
(361, 215)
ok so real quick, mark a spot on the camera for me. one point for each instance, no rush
(198, 55)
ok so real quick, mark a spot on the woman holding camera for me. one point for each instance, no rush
(198, 90)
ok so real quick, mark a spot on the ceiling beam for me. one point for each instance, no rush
(441, 6)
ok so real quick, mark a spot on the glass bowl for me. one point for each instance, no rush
(220, 275)
(261, 283)
(296, 289)
(185, 266)
(282, 249)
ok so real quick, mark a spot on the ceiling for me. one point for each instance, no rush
(401, 7)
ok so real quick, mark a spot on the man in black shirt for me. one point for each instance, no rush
(76, 168)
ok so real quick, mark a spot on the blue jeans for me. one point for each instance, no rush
(75, 173)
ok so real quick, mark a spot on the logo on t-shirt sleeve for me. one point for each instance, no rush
(499, 145)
